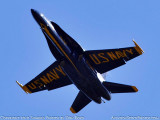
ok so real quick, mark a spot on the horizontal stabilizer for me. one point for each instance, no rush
(119, 88)
(80, 102)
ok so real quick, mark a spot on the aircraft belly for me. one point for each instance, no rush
(96, 88)
(72, 73)
(77, 70)
(83, 79)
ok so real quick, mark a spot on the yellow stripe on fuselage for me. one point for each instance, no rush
(54, 40)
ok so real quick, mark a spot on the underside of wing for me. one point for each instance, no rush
(51, 78)
(105, 60)
(80, 102)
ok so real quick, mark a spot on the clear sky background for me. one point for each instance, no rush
(94, 24)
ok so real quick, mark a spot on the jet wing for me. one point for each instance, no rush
(51, 78)
(80, 102)
(105, 60)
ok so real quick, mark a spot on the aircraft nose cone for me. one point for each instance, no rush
(36, 15)
(34, 12)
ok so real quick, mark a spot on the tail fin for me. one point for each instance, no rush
(119, 88)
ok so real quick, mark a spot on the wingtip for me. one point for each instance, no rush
(135, 89)
(138, 48)
(72, 110)
(24, 88)
(19, 84)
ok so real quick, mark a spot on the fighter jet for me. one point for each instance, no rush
(76, 66)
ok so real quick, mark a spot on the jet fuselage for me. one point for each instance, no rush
(75, 65)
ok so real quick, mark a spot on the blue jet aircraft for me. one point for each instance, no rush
(76, 66)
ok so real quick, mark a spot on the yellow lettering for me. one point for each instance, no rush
(119, 54)
(60, 70)
(32, 86)
(130, 51)
(38, 83)
(45, 80)
(111, 55)
(54, 73)
(102, 56)
(97, 61)
(50, 77)
(124, 53)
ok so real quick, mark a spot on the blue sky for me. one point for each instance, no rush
(98, 24)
